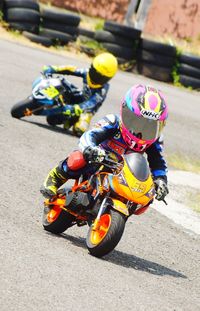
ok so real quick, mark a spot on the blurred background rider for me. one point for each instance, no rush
(85, 102)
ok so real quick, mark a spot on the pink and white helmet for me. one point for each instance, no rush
(143, 115)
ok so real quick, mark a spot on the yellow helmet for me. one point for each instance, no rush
(102, 69)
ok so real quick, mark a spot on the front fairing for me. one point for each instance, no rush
(133, 187)
(47, 90)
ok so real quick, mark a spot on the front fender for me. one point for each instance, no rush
(120, 206)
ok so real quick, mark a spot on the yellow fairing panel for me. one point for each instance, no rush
(129, 187)
(120, 206)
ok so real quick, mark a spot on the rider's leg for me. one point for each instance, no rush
(82, 124)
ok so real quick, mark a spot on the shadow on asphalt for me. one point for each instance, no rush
(57, 129)
(129, 261)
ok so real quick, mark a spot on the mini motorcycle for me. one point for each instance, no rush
(47, 93)
(104, 201)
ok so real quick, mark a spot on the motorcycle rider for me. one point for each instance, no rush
(138, 129)
(87, 101)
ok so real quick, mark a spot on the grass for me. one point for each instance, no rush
(183, 162)
(193, 201)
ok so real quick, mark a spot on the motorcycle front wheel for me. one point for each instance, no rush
(103, 238)
(24, 108)
(56, 220)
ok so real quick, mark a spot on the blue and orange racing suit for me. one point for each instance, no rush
(106, 134)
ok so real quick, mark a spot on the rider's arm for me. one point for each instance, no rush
(104, 129)
(64, 70)
(95, 101)
(156, 160)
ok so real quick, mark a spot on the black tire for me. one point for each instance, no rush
(61, 223)
(190, 59)
(157, 47)
(86, 33)
(111, 239)
(56, 36)
(38, 39)
(25, 27)
(72, 30)
(155, 58)
(119, 51)
(65, 18)
(154, 72)
(23, 15)
(18, 110)
(106, 36)
(28, 4)
(126, 31)
(1, 5)
(190, 71)
(189, 81)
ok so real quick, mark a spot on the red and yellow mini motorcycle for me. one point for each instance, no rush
(104, 201)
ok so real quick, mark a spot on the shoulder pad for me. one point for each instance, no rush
(109, 120)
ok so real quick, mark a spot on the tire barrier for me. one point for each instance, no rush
(53, 27)
(60, 27)
(48, 25)
(156, 60)
(22, 15)
(120, 40)
(189, 70)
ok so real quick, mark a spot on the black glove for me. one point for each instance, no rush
(161, 188)
(94, 154)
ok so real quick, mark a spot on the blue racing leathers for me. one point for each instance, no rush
(87, 99)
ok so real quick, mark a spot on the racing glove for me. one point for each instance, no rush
(72, 110)
(48, 70)
(94, 154)
(161, 188)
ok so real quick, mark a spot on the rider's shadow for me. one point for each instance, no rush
(129, 261)
(56, 128)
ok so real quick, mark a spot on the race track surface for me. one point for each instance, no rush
(156, 264)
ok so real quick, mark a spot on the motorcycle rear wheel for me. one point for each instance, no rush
(56, 220)
(22, 108)
(104, 239)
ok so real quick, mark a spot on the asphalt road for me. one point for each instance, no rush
(156, 264)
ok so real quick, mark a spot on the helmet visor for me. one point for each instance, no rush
(96, 77)
(143, 128)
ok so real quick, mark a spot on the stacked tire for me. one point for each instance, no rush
(23, 15)
(156, 60)
(189, 70)
(60, 27)
(120, 40)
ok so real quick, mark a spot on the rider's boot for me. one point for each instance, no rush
(82, 125)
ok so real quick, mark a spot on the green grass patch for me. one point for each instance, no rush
(193, 201)
(182, 162)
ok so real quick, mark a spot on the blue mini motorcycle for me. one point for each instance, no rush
(47, 93)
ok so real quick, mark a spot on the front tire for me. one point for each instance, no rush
(23, 108)
(56, 220)
(108, 234)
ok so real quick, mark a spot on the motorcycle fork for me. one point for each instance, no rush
(102, 209)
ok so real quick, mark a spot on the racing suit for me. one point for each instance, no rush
(83, 104)
(107, 135)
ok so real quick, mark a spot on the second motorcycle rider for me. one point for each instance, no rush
(87, 101)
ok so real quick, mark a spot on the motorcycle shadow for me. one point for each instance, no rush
(57, 129)
(128, 260)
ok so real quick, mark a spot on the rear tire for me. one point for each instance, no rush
(104, 240)
(56, 220)
(20, 109)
